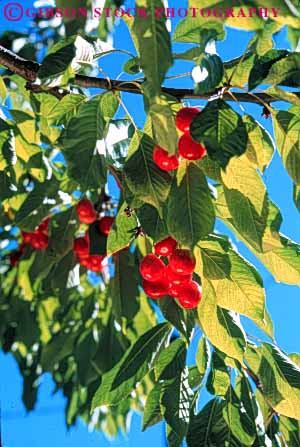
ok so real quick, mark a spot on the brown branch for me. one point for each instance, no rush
(28, 70)
(114, 172)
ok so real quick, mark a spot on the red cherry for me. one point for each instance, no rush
(152, 268)
(84, 261)
(96, 263)
(156, 289)
(27, 236)
(190, 149)
(44, 225)
(105, 224)
(165, 247)
(185, 117)
(86, 212)
(182, 262)
(39, 241)
(81, 246)
(189, 295)
(173, 290)
(22, 247)
(14, 257)
(176, 278)
(163, 160)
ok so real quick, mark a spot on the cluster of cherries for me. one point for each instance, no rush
(174, 278)
(37, 239)
(81, 246)
(187, 147)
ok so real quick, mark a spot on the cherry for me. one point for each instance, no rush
(189, 295)
(14, 257)
(27, 236)
(185, 117)
(173, 290)
(176, 278)
(86, 212)
(182, 262)
(105, 224)
(44, 225)
(156, 289)
(190, 149)
(165, 247)
(96, 263)
(84, 261)
(39, 241)
(22, 247)
(81, 246)
(152, 268)
(163, 160)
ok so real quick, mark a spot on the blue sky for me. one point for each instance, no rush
(46, 424)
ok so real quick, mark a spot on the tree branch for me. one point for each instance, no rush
(28, 70)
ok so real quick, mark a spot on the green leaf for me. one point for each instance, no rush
(293, 36)
(285, 71)
(218, 380)
(132, 66)
(59, 347)
(163, 124)
(80, 143)
(35, 200)
(198, 30)
(283, 95)
(170, 361)
(237, 284)
(213, 66)
(66, 109)
(190, 215)
(143, 177)
(221, 327)
(221, 130)
(3, 90)
(290, 428)
(120, 234)
(203, 356)
(154, 45)
(281, 255)
(84, 351)
(210, 168)
(286, 130)
(182, 319)
(263, 65)
(57, 61)
(7, 145)
(124, 293)
(260, 147)
(119, 382)
(280, 378)
(238, 69)
(98, 241)
(247, 200)
(239, 422)
(152, 413)
(176, 396)
(253, 417)
(151, 223)
(208, 428)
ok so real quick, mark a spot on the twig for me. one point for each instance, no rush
(28, 70)
(115, 174)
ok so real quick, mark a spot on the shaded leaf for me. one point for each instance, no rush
(190, 214)
(221, 130)
(143, 177)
